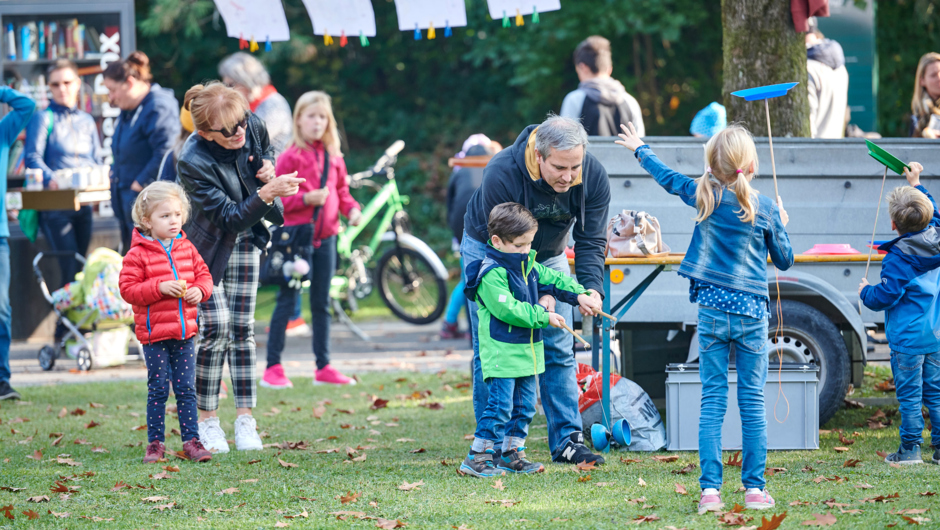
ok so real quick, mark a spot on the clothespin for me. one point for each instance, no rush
(242, 43)
(431, 33)
(363, 40)
(447, 31)
(267, 43)
(253, 47)
(535, 14)
(519, 20)
(342, 39)
(327, 39)
(505, 19)
(417, 33)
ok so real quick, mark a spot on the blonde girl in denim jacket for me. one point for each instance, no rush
(726, 263)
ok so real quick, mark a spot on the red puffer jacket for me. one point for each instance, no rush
(159, 317)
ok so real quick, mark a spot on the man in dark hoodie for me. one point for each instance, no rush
(600, 102)
(548, 171)
(828, 84)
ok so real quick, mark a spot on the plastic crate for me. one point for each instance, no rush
(798, 430)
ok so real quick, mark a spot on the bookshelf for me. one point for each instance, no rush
(37, 32)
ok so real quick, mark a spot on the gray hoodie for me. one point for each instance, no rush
(602, 104)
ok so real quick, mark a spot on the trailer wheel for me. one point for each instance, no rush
(807, 335)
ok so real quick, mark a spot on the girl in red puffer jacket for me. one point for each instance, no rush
(164, 278)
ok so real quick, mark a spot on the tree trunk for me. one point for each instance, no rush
(761, 47)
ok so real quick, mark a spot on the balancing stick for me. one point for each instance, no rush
(569, 330)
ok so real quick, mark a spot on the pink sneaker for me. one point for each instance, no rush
(223, 391)
(274, 378)
(709, 503)
(758, 501)
(331, 376)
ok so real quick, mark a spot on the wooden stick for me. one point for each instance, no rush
(603, 314)
(569, 330)
(871, 244)
(770, 139)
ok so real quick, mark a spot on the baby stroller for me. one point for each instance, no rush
(95, 319)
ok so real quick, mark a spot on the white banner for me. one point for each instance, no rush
(335, 17)
(422, 14)
(259, 20)
(508, 8)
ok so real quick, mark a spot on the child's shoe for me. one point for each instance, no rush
(710, 501)
(154, 452)
(212, 436)
(935, 459)
(274, 378)
(575, 452)
(905, 456)
(246, 434)
(297, 328)
(331, 376)
(756, 499)
(196, 451)
(514, 461)
(480, 465)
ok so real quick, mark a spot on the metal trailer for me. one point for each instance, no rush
(830, 189)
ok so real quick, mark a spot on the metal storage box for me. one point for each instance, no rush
(800, 430)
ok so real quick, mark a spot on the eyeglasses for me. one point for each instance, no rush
(229, 132)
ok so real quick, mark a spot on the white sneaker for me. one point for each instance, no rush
(212, 436)
(246, 434)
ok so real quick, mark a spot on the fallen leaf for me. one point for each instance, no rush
(389, 523)
(833, 504)
(840, 449)
(584, 478)
(419, 450)
(405, 486)
(228, 491)
(666, 459)
(628, 461)
(67, 461)
(851, 463)
(851, 512)
(802, 503)
(162, 507)
(99, 449)
(687, 469)
(506, 503)
(93, 424)
(585, 466)
(927, 494)
(155, 499)
(864, 486)
(499, 485)
(319, 411)
(11, 489)
(253, 461)
(910, 520)
(303, 514)
(344, 514)
(120, 485)
(346, 411)
(249, 480)
(31, 515)
(160, 476)
(772, 523)
(882, 498)
(59, 515)
(38, 498)
(771, 471)
(37, 455)
(349, 497)
(7, 511)
(680, 489)
(286, 464)
(820, 519)
(281, 524)
(641, 482)
(733, 518)
(645, 518)
(379, 404)
(734, 460)
(78, 412)
(82, 441)
(844, 440)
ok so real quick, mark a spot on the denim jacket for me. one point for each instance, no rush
(725, 251)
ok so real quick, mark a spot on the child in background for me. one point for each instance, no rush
(909, 294)
(726, 264)
(164, 278)
(514, 294)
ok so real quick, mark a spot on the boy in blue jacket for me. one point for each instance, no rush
(909, 294)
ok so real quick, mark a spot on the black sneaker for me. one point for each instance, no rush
(935, 459)
(479, 465)
(7, 392)
(515, 462)
(575, 452)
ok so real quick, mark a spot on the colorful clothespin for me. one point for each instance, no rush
(327, 39)
(447, 31)
(342, 39)
(417, 33)
(242, 43)
(431, 32)
(253, 47)
(519, 20)
(363, 39)
(267, 43)
(505, 19)
(535, 14)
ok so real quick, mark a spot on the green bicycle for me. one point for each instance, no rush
(411, 278)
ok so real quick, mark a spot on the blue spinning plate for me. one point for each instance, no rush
(764, 92)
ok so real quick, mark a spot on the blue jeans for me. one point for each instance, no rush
(558, 385)
(69, 231)
(509, 410)
(457, 300)
(717, 330)
(917, 378)
(6, 314)
(171, 360)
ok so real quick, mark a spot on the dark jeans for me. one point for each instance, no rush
(122, 202)
(917, 378)
(322, 267)
(6, 314)
(68, 231)
(171, 360)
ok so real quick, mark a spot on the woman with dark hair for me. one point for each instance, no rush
(227, 168)
(145, 131)
(64, 137)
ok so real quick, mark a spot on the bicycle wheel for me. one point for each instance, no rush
(409, 287)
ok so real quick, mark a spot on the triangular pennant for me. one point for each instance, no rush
(535, 14)
(327, 39)
(417, 33)
(505, 20)
(267, 44)
(431, 33)
(447, 30)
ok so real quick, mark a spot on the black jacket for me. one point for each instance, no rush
(584, 206)
(224, 196)
(461, 186)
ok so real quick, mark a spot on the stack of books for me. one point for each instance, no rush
(59, 39)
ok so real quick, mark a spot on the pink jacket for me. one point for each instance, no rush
(309, 166)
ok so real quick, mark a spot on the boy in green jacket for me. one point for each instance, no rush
(513, 293)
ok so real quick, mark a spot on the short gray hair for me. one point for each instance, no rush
(559, 133)
(245, 70)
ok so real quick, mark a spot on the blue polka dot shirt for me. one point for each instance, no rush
(728, 300)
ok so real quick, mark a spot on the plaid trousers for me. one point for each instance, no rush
(226, 330)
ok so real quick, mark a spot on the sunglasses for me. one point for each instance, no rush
(229, 132)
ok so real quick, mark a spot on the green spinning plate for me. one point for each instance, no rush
(886, 158)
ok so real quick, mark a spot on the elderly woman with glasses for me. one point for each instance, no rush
(227, 168)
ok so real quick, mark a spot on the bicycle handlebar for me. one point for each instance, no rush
(386, 160)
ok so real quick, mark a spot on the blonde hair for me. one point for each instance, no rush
(330, 137)
(921, 109)
(214, 101)
(910, 209)
(154, 195)
(728, 156)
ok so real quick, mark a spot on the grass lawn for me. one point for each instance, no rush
(266, 492)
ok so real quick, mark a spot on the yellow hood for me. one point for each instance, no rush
(532, 162)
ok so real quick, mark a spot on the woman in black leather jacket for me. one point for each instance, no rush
(228, 170)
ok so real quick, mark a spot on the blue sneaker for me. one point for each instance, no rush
(480, 465)
(514, 461)
(905, 456)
